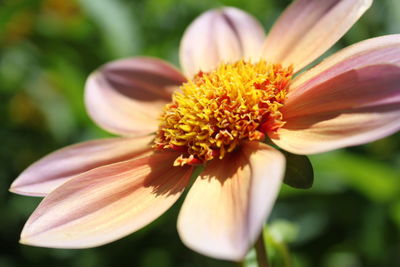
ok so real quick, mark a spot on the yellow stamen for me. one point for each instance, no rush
(215, 111)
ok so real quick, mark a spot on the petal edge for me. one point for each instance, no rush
(126, 96)
(53, 170)
(106, 203)
(308, 28)
(225, 209)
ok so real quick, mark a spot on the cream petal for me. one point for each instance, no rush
(379, 50)
(107, 203)
(308, 28)
(356, 107)
(227, 205)
(126, 96)
(220, 35)
(50, 172)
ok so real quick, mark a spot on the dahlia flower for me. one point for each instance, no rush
(238, 89)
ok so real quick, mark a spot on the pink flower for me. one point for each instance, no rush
(237, 89)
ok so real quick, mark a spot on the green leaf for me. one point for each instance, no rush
(299, 171)
(274, 238)
(379, 181)
(117, 25)
(283, 231)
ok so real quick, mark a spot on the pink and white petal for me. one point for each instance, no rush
(379, 50)
(126, 96)
(107, 203)
(356, 107)
(50, 172)
(308, 28)
(220, 35)
(225, 209)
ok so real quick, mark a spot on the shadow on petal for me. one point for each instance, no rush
(107, 203)
(356, 107)
(150, 84)
(228, 203)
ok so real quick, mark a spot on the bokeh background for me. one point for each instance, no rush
(350, 218)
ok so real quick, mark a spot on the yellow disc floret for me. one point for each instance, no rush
(215, 111)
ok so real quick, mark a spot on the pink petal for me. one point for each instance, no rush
(379, 50)
(356, 107)
(308, 28)
(220, 35)
(126, 96)
(227, 205)
(55, 169)
(107, 203)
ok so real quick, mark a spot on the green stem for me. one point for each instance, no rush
(261, 252)
(287, 260)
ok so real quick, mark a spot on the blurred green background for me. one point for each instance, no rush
(350, 218)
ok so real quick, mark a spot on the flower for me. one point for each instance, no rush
(238, 88)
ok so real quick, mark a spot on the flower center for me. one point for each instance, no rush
(215, 111)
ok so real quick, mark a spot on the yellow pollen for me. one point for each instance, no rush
(215, 111)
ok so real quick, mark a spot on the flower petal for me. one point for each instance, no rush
(107, 203)
(126, 96)
(379, 50)
(310, 27)
(227, 205)
(220, 35)
(356, 107)
(47, 174)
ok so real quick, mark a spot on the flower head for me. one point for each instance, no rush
(240, 87)
(216, 111)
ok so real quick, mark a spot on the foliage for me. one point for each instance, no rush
(350, 217)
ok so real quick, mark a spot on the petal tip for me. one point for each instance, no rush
(230, 255)
(13, 189)
(23, 242)
(25, 239)
(17, 187)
